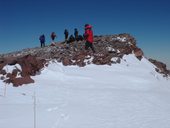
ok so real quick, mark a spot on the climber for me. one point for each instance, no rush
(66, 33)
(88, 35)
(76, 35)
(53, 36)
(42, 40)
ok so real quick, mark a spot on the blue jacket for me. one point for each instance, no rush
(42, 39)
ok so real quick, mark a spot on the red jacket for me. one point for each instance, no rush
(88, 34)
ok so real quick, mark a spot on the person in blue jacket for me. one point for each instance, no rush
(42, 40)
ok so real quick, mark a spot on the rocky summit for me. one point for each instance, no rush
(109, 50)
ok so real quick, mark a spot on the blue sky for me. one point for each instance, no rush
(22, 21)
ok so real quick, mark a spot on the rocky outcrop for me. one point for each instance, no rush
(29, 66)
(160, 67)
(109, 50)
(113, 44)
(138, 53)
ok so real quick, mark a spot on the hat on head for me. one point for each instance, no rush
(87, 26)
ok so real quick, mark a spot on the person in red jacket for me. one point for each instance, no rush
(53, 36)
(88, 35)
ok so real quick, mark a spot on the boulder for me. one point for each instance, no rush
(30, 65)
(3, 72)
(66, 61)
(20, 81)
(138, 53)
(15, 72)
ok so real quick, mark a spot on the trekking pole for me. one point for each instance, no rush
(34, 110)
(5, 90)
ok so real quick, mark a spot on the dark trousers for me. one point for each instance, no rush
(66, 37)
(42, 44)
(52, 38)
(88, 44)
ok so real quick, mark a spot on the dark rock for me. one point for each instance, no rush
(125, 50)
(20, 81)
(11, 61)
(7, 81)
(80, 63)
(66, 61)
(15, 72)
(161, 67)
(138, 53)
(10, 76)
(30, 65)
(3, 72)
(79, 58)
(102, 59)
(2, 77)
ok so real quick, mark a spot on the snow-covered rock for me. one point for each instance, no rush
(109, 49)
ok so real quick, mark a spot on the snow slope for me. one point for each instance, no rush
(126, 95)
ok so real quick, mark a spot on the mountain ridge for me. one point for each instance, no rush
(109, 50)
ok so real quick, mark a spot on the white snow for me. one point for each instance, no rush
(10, 68)
(114, 59)
(126, 95)
(88, 60)
(130, 43)
(110, 49)
(122, 39)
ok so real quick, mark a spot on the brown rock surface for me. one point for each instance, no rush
(32, 60)
(161, 67)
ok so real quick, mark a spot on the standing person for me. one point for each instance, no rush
(88, 35)
(76, 35)
(66, 35)
(53, 36)
(42, 40)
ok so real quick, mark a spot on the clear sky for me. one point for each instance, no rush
(22, 21)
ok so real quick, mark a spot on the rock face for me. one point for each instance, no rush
(109, 50)
(29, 66)
(160, 67)
(138, 53)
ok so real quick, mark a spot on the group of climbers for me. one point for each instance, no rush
(42, 39)
(87, 36)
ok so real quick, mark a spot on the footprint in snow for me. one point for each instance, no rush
(52, 109)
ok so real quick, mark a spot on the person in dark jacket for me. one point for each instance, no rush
(53, 36)
(66, 33)
(88, 35)
(42, 40)
(71, 39)
(76, 34)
